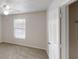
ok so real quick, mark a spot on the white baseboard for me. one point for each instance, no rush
(23, 45)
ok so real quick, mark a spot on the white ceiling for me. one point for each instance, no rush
(24, 6)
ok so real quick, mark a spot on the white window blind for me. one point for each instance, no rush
(19, 28)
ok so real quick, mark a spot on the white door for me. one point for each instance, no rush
(54, 34)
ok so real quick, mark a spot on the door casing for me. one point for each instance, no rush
(65, 30)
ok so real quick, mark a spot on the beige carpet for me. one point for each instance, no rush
(10, 51)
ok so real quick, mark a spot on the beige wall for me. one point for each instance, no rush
(73, 31)
(35, 29)
(0, 29)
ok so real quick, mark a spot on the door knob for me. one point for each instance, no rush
(49, 43)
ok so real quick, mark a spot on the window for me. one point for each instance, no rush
(19, 28)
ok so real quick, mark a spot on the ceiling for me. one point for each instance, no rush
(25, 6)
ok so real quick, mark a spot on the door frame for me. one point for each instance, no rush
(66, 45)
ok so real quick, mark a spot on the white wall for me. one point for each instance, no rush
(0, 29)
(35, 29)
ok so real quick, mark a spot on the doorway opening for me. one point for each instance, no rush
(69, 31)
(73, 30)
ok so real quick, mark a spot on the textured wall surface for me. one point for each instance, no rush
(0, 29)
(35, 29)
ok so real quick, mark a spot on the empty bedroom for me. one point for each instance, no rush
(31, 29)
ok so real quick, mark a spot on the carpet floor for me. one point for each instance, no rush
(11, 51)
